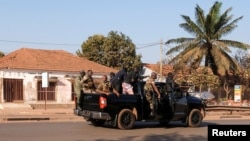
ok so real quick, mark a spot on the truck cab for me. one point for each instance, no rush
(123, 111)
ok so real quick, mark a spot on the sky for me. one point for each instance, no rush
(66, 24)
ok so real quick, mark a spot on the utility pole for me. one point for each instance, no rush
(161, 61)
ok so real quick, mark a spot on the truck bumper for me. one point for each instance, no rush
(92, 114)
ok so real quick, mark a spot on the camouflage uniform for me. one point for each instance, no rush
(88, 84)
(149, 91)
(78, 86)
(104, 86)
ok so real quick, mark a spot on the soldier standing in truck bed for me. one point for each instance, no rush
(78, 87)
(150, 89)
(88, 82)
(104, 87)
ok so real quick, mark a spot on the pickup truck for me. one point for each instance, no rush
(122, 112)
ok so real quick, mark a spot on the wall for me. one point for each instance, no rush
(63, 88)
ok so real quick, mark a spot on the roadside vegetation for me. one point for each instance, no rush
(204, 59)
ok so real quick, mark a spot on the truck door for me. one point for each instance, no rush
(179, 105)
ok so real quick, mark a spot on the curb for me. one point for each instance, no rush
(57, 117)
(24, 119)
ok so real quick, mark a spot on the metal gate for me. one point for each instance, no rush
(12, 90)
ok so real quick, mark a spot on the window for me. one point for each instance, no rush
(50, 90)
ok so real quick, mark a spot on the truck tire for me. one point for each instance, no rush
(126, 119)
(97, 122)
(195, 118)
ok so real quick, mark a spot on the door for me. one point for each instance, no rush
(13, 90)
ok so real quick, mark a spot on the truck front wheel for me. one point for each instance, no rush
(195, 118)
(126, 119)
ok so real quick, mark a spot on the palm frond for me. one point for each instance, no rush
(226, 29)
(190, 26)
(236, 44)
(185, 43)
(221, 45)
(199, 16)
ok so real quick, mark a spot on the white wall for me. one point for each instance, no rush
(147, 72)
(63, 88)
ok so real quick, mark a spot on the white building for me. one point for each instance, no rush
(21, 75)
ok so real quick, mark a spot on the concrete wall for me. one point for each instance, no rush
(63, 85)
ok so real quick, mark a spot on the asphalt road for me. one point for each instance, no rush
(84, 131)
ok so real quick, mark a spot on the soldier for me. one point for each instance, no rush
(170, 83)
(111, 77)
(104, 86)
(150, 89)
(135, 78)
(88, 82)
(78, 86)
(117, 81)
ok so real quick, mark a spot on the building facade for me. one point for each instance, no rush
(21, 78)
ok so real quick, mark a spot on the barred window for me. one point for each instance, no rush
(50, 90)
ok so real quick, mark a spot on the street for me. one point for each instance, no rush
(84, 131)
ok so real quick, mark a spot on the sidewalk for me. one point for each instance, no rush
(226, 115)
(66, 114)
(25, 114)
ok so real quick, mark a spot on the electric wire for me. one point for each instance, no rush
(141, 46)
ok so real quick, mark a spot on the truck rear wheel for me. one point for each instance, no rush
(195, 118)
(126, 119)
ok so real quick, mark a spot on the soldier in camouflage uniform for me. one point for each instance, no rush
(150, 89)
(78, 86)
(105, 86)
(88, 82)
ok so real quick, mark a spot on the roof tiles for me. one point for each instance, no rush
(50, 60)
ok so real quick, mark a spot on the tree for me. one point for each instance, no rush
(93, 49)
(1, 54)
(116, 50)
(207, 45)
(201, 78)
(243, 58)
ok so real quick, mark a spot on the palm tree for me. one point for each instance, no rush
(207, 45)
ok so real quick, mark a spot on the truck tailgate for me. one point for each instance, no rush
(90, 102)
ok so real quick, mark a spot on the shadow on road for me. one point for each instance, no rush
(147, 124)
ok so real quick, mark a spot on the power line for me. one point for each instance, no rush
(67, 44)
(150, 45)
(147, 45)
(57, 44)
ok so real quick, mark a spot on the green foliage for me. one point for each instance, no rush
(201, 79)
(1, 54)
(205, 80)
(116, 50)
(207, 43)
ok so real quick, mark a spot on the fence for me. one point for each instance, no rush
(230, 109)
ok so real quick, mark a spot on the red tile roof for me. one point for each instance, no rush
(50, 60)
